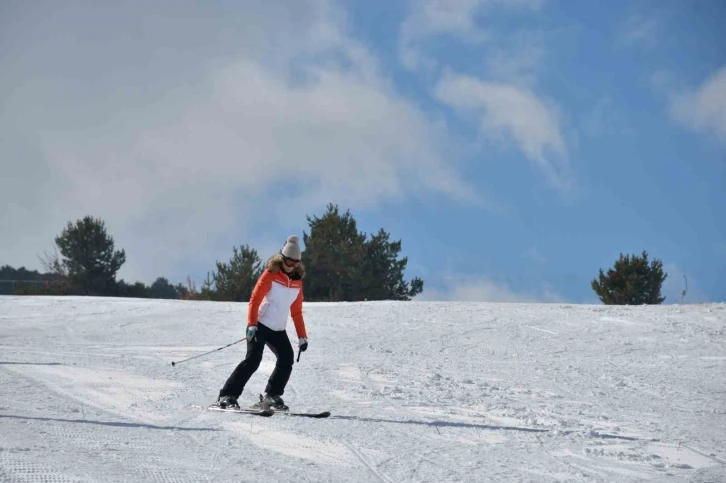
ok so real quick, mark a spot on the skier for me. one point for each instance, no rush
(278, 290)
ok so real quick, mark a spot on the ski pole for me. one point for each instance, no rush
(200, 355)
(298, 355)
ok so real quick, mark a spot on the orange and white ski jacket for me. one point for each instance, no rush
(274, 296)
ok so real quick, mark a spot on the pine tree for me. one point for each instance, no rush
(631, 281)
(342, 264)
(162, 289)
(235, 281)
(89, 257)
(383, 271)
(333, 257)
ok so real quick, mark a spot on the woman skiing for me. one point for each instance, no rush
(278, 291)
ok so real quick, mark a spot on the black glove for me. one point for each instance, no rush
(251, 333)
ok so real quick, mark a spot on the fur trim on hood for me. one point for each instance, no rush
(274, 264)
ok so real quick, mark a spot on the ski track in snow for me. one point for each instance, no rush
(419, 392)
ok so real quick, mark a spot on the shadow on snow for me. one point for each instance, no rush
(491, 427)
(106, 423)
(444, 424)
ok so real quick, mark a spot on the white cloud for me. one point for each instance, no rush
(604, 119)
(703, 109)
(183, 131)
(515, 112)
(484, 289)
(519, 64)
(638, 30)
(502, 102)
(458, 18)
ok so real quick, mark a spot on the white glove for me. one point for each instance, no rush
(303, 342)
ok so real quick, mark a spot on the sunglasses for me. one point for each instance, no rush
(290, 262)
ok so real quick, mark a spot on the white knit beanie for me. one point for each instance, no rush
(291, 248)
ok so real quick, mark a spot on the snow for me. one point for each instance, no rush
(419, 392)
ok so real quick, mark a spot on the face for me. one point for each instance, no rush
(289, 264)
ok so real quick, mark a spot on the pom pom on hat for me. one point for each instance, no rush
(291, 248)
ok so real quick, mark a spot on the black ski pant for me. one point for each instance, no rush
(279, 344)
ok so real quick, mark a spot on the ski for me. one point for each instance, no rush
(266, 412)
(287, 412)
(323, 414)
(256, 412)
(253, 411)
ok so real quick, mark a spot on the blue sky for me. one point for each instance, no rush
(515, 147)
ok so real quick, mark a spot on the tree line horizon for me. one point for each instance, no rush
(341, 264)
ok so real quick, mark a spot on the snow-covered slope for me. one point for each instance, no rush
(419, 391)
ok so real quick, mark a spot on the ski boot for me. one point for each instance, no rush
(226, 402)
(272, 402)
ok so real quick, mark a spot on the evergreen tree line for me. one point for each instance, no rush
(341, 264)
